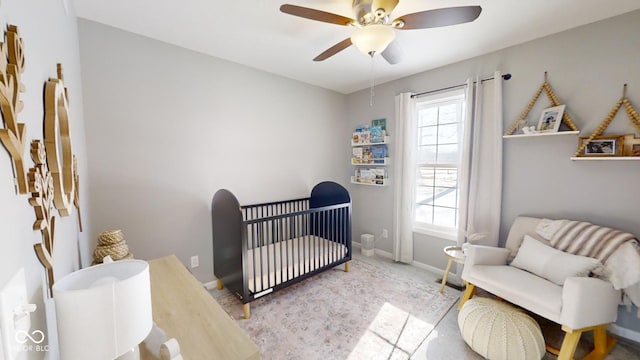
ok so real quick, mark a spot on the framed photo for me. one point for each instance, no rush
(550, 119)
(606, 145)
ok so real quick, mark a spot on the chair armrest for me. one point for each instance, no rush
(588, 302)
(485, 255)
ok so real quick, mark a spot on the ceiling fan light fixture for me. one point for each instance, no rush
(372, 39)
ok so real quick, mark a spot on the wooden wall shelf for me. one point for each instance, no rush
(385, 182)
(605, 158)
(541, 134)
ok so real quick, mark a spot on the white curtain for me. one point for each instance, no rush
(481, 167)
(404, 178)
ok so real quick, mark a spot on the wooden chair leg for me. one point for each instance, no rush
(346, 266)
(247, 310)
(569, 344)
(220, 285)
(468, 294)
(603, 344)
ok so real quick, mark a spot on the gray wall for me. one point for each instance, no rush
(168, 127)
(587, 67)
(50, 36)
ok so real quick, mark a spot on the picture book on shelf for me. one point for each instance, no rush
(377, 134)
(382, 123)
(379, 151)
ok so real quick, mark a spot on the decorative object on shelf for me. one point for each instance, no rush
(521, 120)
(57, 139)
(13, 136)
(41, 188)
(631, 145)
(111, 243)
(550, 119)
(529, 130)
(633, 117)
(604, 145)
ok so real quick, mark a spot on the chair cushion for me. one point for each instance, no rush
(519, 287)
(552, 264)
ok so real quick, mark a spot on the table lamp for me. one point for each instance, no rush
(104, 311)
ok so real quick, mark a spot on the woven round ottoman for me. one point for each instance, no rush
(499, 331)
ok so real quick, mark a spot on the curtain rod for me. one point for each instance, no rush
(505, 76)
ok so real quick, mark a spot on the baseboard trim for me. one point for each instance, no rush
(625, 333)
(381, 253)
(210, 285)
(429, 268)
(384, 254)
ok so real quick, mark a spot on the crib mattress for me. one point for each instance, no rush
(288, 259)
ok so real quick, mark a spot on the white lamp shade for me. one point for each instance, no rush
(372, 38)
(103, 311)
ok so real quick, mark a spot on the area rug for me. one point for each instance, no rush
(368, 313)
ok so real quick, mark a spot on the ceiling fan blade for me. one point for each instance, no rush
(387, 5)
(393, 53)
(334, 50)
(439, 17)
(314, 14)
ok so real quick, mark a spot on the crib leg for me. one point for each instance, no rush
(346, 266)
(247, 310)
(220, 285)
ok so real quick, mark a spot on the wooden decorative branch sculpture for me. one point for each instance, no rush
(41, 188)
(57, 140)
(13, 135)
(76, 198)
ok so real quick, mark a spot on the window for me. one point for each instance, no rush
(438, 142)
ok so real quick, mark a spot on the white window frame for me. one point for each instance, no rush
(441, 98)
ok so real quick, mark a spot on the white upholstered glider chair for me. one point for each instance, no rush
(554, 284)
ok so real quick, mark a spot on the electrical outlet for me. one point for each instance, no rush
(385, 233)
(195, 261)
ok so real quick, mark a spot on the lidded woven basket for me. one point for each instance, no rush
(500, 331)
(111, 243)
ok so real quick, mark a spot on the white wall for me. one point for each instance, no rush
(587, 67)
(168, 127)
(50, 37)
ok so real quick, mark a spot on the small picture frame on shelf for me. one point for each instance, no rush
(550, 119)
(631, 145)
(605, 145)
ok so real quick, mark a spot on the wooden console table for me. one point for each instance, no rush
(188, 313)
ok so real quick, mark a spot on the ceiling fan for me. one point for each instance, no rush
(374, 31)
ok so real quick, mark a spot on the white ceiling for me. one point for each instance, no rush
(255, 33)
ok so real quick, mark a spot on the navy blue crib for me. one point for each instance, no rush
(262, 248)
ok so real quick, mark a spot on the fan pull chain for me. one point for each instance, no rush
(372, 83)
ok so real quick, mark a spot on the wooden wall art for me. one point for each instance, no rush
(76, 198)
(57, 140)
(521, 120)
(630, 143)
(13, 135)
(42, 193)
